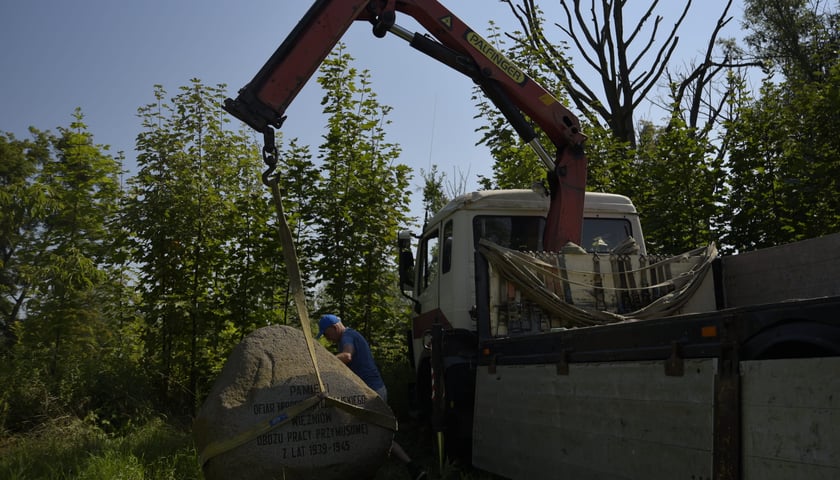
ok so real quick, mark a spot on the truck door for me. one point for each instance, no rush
(428, 270)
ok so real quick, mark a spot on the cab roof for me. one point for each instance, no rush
(533, 202)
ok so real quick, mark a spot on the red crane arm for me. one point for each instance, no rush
(263, 102)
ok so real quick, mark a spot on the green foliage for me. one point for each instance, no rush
(680, 187)
(783, 164)
(434, 197)
(515, 165)
(24, 205)
(64, 323)
(362, 198)
(297, 178)
(74, 449)
(611, 162)
(783, 167)
(108, 385)
(201, 239)
(797, 38)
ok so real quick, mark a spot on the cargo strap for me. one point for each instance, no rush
(296, 287)
(263, 427)
(534, 273)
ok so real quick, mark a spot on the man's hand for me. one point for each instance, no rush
(347, 355)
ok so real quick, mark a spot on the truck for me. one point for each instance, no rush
(739, 380)
(547, 341)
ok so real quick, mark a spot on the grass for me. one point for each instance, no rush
(73, 449)
(68, 448)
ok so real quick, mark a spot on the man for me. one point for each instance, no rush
(354, 351)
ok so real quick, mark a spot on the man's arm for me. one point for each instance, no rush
(346, 355)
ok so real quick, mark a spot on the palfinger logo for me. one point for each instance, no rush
(495, 56)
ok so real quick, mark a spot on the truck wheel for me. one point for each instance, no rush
(793, 340)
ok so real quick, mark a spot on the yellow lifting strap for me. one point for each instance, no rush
(296, 286)
(261, 428)
(295, 283)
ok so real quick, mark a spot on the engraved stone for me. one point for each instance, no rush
(266, 374)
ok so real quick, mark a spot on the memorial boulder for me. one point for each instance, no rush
(248, 426)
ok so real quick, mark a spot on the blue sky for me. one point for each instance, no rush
(106, 56)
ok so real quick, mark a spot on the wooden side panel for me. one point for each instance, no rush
(791, 419)
(806, 269)
(601, 421)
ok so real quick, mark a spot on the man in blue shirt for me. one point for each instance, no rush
(354, 351)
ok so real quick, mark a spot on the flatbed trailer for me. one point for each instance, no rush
(749, 391)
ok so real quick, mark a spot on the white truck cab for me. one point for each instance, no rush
(443, 277)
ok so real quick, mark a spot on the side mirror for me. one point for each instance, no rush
(406, 260)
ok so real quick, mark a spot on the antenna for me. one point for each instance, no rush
(432, 136)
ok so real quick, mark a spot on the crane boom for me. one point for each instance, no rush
(263, 101)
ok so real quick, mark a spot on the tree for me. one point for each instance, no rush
(298, 176)
(200, 241)
(362, 199)
(783, 162)
(515, 164)
(63, 275)
(24, 203)
(605, 46)
(680, 191)
(797, 38)
(83, 185)
(783, 166)
(434, 196)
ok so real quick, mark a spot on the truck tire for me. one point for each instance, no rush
(793, 340)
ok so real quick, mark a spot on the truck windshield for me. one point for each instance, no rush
(600, 235)
(524, 233)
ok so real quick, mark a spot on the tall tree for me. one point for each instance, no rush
(298, 177)
(70, 341)
(515, 164)
(783, 165)
(362, 199)
(68, 326)
(797, 38)
(606, 47)
(680, 190)
(24, 203)
(83, 184)
(783, 162)
(197, 231)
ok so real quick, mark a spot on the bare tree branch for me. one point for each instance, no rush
(629, 59)
(701, 77)
(602, 42)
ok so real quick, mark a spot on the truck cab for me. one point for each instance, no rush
(442, 276)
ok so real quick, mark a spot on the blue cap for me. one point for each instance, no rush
(326, 322)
